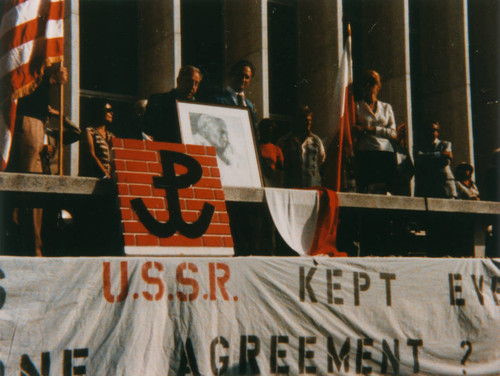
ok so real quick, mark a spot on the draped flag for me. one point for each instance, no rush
(31, 39)
(339, 141)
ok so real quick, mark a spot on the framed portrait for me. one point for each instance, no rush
(230, 131)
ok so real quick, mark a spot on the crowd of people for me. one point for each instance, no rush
(380, 162)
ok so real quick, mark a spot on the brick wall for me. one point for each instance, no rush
(136, 163)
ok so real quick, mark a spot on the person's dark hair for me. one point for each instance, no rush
(187, 71)
(461, 169)
(96, 109)
(236, 68)
(266, 127)
(304, 111)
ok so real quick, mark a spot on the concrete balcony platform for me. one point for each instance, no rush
(29, 189)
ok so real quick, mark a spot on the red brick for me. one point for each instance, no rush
(123, 189)
(223, 218)
(209, 183)
(213, 241)
(183, 204)
(180, 169)
(219, 194)
(206, 161)
(215, 229)
(138, 166)
(198, 205)
(126, 214)
(120, 165)
(140, 190)
(133, 177)
(125, 201)
(154, 202)
(190, 216)
(205, 171)
(155, 167)
(165, 146)
(181, 241)
(157, 192)
(196, 149)
(214, 172)
(134, 228)
(117, 142)
(228, 242)
(204, 193)
(147, 240)
(211, 151)
(133, 144)
(136, 155)
(186, 193)
(161, 215)
(129, 240)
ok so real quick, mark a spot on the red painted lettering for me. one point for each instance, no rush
(187, 281)
(221, 280)
(106, 280)
(152, 280)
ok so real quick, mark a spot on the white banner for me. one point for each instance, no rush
(246, 316)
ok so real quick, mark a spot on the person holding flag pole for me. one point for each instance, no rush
(31, 62)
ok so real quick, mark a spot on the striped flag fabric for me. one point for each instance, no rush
(31, 39)
(339, 146)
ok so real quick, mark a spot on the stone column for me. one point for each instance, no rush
(246, 38)
(443, 73)
(385, 46)
(159, 45)
(72, 88)
(320, 50)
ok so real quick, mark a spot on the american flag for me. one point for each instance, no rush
(31, 39)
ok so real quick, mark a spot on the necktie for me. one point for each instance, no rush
(240, 98)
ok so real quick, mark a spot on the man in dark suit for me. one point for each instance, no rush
(241, 75)
(161, 120)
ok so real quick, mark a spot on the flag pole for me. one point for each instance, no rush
(61, 126)
(341, 134)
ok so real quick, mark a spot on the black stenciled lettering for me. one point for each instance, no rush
(2, 369)
(172, 183)
(3, 293)
(306, 354)
(338, 358)
(333, 286)
(361, 355)
(68, 356)
(278, 353)
(249, 356)
(388, 277)
(358, 287)
(455, 289)
(305, 284)
(478, 287)
(415, 344)
(29, 369)
(495, 288)
(392, 356)
(223, 360)
(188, 364)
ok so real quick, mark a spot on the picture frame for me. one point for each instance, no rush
(230, 131)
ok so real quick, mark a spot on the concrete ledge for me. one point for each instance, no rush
(51, 184)
(33, 184)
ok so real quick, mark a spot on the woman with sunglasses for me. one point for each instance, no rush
(96, 144)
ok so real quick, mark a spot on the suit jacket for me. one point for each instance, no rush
(161, 120)
(227, 98)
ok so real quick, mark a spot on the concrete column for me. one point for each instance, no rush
(444, 87)
(72, 88)
(246, 38)
(159, 45)
(385, 49)
(320, 50)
